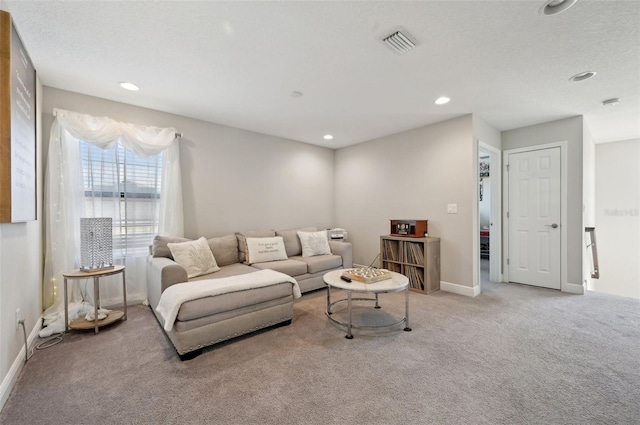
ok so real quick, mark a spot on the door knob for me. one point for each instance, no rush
(553, 226)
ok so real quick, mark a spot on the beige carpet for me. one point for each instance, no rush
(513, 355)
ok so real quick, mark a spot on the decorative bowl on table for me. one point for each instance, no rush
(367, 274)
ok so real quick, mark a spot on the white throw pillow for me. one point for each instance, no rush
(195, 256)
(314, 243)
(261, 250)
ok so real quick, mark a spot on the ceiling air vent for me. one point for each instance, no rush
(399, 42)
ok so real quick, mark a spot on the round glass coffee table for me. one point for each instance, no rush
(397, 283)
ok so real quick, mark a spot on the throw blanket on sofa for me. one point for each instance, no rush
(174, 296)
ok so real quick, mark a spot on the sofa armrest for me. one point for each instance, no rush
(343, 249)
(162, 273)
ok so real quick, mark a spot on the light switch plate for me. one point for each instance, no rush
(452, 208)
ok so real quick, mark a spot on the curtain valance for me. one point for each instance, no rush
(105, 133)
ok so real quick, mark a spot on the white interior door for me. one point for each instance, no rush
(534, 217)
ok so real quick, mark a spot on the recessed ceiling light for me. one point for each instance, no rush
(611, 102)
(553, 7)
(583, 76)
(296, 93)
(442, 100)
(129, 86)
(327, 137)
(227, 27)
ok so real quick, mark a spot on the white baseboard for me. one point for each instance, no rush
(358, 266)
(451, 287)
(460, 289)
(573, 288)
(12, 376)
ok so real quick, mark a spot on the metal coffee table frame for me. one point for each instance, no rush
(333, 279)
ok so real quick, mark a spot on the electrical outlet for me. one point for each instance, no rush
(18, 318)
(452, 208)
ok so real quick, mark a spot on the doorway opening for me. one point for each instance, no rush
(489, 213)
(484, 210)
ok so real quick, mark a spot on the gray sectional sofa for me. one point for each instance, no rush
(213, 319)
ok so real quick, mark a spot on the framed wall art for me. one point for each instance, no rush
(18, 173)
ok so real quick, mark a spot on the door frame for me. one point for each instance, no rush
(564, 287)
(495, 247)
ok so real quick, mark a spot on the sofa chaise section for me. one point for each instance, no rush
(207, 321)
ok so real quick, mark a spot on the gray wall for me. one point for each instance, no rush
(486, 133)
(411, 175)
(20, 279)
(235, 180)
(618, 217)
(571, 131)
(232, 179)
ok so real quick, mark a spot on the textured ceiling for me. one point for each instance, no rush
(237, 63)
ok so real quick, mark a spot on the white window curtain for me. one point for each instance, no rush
(67, 200)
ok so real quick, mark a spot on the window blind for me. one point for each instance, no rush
(125, 187)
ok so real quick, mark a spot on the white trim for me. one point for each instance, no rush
(460, 289)
(564, 247)
(564, 285)
(573, 288)
(358, 266)
(14, 372)
(475, 218)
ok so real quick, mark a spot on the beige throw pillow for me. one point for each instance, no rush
(195, 256)
(242, 243)
(314, 243)
(160, 248)
(292, 241)
(224, 249)
(261, 250)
